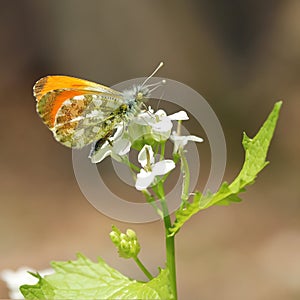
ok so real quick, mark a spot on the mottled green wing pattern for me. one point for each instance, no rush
(84, 119)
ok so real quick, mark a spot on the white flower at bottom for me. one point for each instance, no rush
(150, 169)
(181, 140)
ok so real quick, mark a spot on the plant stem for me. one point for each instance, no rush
(162, 150)
(143, 268)
(186, 177)
(130, 164)
(150, 199)
(170, 245)
(170, 248)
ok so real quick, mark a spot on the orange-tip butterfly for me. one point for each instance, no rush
(80, 112)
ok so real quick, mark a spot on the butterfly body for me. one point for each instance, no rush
(80, 112)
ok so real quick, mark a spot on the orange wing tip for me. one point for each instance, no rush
(62, 82)
(59, 82)
(38, 88)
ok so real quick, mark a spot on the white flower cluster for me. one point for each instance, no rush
(157, 126)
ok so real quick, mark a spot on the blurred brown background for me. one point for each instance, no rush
(242, 56)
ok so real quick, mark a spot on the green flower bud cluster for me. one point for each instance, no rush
(127, 244)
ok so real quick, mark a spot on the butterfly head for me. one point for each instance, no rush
(136, 95)
(141, 92)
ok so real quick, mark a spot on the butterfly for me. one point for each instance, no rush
(81, 112)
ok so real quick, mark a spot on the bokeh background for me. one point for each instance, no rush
(242, 56)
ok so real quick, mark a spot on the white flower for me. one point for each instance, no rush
(115, 146)
(181, 140)
(14, 279)
(150, 168)
(160, 123)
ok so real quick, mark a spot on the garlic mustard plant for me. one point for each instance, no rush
(146, 136)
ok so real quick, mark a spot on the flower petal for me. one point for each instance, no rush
(121, 146)
(143, 118)
(163, 167)
(142, 157)
(144, 179)
(160, 113)
(164, 125)
(181, 115)
(181, 140)
(106, 148)
(160, 136)
(150, 109)
(194, 138)
(99, 155)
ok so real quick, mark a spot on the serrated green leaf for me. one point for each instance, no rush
(255, 160)
(37, 291)
(84, 279)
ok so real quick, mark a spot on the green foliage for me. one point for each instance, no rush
(84, 279)
(255, 160)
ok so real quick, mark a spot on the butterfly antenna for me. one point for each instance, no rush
(161, 96)
(153, 73)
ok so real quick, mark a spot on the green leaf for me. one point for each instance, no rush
(255, 160)
(84, 279)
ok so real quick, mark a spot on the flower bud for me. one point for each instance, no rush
(123, 236)
(131, 234)
(115, 238)
(126, 244)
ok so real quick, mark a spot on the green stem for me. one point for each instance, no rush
(150, 199)
(162, 150)
(130, 164)
(143, 268)
(186, 177)
(170, 243)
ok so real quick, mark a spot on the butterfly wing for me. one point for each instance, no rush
(57, 82)
(77, 111)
